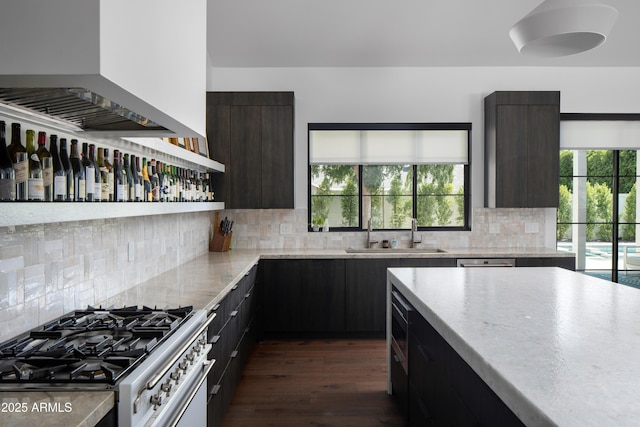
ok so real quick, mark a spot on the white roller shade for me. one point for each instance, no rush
(598, 135)
(379, 147)
(334, 146)
(443, 146)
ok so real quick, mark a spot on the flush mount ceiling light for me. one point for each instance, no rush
(563, 27)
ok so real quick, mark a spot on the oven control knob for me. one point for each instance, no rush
(156, 400)
(184, 366)
(190, 357)
(175, 375)
(166, 387)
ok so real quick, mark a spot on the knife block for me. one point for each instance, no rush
(219, 242)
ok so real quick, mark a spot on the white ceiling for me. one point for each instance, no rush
(394, 33)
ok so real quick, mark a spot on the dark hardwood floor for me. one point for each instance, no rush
(314, 383)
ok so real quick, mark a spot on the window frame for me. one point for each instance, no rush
(466, 126)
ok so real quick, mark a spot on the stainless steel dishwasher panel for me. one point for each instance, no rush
(486, 262)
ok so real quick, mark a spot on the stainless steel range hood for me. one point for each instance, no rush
(80, 107)
(107, 67)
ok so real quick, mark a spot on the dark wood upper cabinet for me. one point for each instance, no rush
(522, 149)
(251, 133)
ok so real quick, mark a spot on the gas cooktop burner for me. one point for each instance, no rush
(95, 345)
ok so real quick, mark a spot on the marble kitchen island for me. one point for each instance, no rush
(557, 347)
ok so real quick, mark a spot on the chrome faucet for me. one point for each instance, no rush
(414, 228)
(369, 241)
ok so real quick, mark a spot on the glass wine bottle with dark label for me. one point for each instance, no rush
(89, 173)
(111, 168)
(35, 182)
(68, 170)
(130, 179)
(139, 182)
(20, 159)
(47, 166)
(104, 176)
(79, 181)
(59, 176)
(120, 178)
(97, 190)
(7, 174)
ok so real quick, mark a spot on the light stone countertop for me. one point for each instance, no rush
(54, 409)
(558, 347)
(202, 283)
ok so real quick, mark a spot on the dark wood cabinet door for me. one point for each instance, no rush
(277, 157)
(251, 133)
(245, 168)
(511, 156)
(219, 137)
(366, 290)
(543, 155)
(522, 147)
(303, 295)
(568, 263)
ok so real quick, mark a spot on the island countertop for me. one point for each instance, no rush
(558, 347)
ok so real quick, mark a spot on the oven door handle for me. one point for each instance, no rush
(176, 355)
(207, 365)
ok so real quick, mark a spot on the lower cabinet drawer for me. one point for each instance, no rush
(399, 383)
(418, 414)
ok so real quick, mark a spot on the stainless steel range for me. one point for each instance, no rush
(154, 359)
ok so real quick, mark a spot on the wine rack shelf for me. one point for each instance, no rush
(29, 213)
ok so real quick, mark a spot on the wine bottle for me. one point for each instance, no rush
(120, 178)
(139, 191)
(174, 184)
(20, 159)
(68, 171)
(161, 194)
(131, 183)
(153, 177)
(79, 180)
(111, 179)
(35, 186)
(188, 185)
(180, 185)
(7, 174)
(146, 180)
(59, 176)
(97, 181)
(104, 176)
(47, 166)
(89, 174)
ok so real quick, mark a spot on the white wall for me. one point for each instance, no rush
(425, 95)
(148, 55)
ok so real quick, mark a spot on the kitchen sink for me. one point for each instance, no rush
(395, 250)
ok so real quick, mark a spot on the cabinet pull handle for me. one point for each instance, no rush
(423, 350)
(234, 354)
(215, 390)
(234, 313)
(215, 339)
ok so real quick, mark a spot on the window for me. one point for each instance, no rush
(389, 173)
(598, 178)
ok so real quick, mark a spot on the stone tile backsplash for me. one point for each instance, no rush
(491, 228)
(48, 270)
